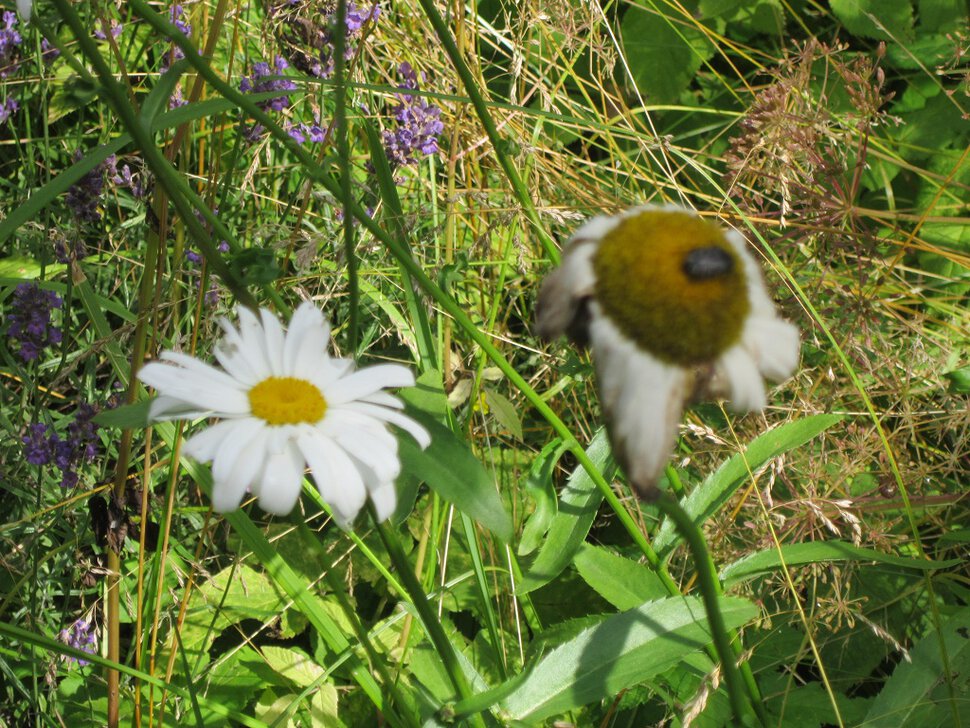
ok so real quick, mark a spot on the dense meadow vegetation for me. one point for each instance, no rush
(413, 168)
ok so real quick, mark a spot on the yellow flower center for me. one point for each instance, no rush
(287, 401)
(672, 283)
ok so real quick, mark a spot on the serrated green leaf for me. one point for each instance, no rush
(450, 469)
(621, 651)
(622, 582)
(578, 503)
(664, 52)
(504, 412)
(763, 562)
(877, 19)
(707, 498)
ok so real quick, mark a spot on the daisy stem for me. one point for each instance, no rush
(418, 597)
(710, 592)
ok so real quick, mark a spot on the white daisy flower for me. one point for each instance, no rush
(285, 404)
(674, 308)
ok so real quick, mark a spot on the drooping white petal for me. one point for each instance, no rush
(205, 393)
(642, 399)
(282, 479)
(565, 288)
(338, 481)
(774, 345)
(367, 381)
(746, 390)
(24, 7)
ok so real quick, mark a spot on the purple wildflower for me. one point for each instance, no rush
(301, 132)
(7, 108)
(80, 446)
(30, 319)
(48, 52)
(9, 40)
(176, 16)
(37, 444)
(83, 197)
(125, 177)
(81, 635)
(418, 123)
(115, 29)
(262, 81)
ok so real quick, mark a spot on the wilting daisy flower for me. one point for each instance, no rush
(675, 309)
(285, 404)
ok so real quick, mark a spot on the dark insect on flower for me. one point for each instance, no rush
(30, 319)
(84, 197)
(418, 123)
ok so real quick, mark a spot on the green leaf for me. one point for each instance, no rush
(578, 503)
(664, 52)
(959, 380)
(294, 665)
(450, 469)
(877, 19)
(928, 690)
(126, 417)
(796, 554)
(538, 484)
(706, 499)
(621, 651)
(504, 412)
(622, 582)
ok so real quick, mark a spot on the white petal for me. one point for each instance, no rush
(200, 370)
(238, 355)
(377, 453)
(203, 445)
(253, 342)
(566, 287)
(384, 399)
(170, 408)
(24, 7)
(307, 340)
(368, 380)
(282, 480)
(744, 384)
(761, 303)
(274, 338)
(384, 498)
(338, 481)
(249, 434)
(774, 345)
(205, 393)
(399, 419)
(642, 399)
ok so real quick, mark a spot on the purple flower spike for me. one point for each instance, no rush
(30, 319)
(82, 635)
(418, 123)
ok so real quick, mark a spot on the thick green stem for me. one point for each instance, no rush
(710, 591)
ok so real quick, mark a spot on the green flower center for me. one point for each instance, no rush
(287, 401)
(672, 283)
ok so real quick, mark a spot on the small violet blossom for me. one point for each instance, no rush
(82, 635)
(10, 39)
